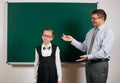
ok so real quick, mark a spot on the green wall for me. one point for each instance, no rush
(27, 20)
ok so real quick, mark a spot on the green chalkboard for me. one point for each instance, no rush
(25, 22)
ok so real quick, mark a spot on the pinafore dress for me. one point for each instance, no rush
(47, 72)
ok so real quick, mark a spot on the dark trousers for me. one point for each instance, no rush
(96, 72)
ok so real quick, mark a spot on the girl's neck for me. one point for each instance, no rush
(46, 43)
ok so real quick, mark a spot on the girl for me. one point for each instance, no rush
(47, 67)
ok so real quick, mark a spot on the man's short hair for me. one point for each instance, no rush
(101, 13)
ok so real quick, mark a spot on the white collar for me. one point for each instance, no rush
(49, 45)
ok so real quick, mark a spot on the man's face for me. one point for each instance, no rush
(96, 20)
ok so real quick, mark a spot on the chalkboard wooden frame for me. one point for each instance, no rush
(25, 22)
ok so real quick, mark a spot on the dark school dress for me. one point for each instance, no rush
(47, 72)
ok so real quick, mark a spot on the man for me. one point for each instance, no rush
(97, 44)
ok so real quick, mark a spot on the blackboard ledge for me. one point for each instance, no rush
(32, 63)
(73, 63)
(20, 63)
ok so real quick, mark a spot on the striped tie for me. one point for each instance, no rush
(92, 40)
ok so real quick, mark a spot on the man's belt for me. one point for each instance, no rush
(98, 60)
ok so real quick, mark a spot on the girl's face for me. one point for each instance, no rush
(47, 37)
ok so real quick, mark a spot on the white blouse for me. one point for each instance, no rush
(46, 53)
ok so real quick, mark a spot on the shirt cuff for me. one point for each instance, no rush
(35, 81)
(73, 41)
(90, 57)
(59, 78)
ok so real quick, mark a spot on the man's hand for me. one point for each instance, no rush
(82, 58)
(67, 38)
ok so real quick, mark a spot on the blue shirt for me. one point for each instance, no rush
(102, 44)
